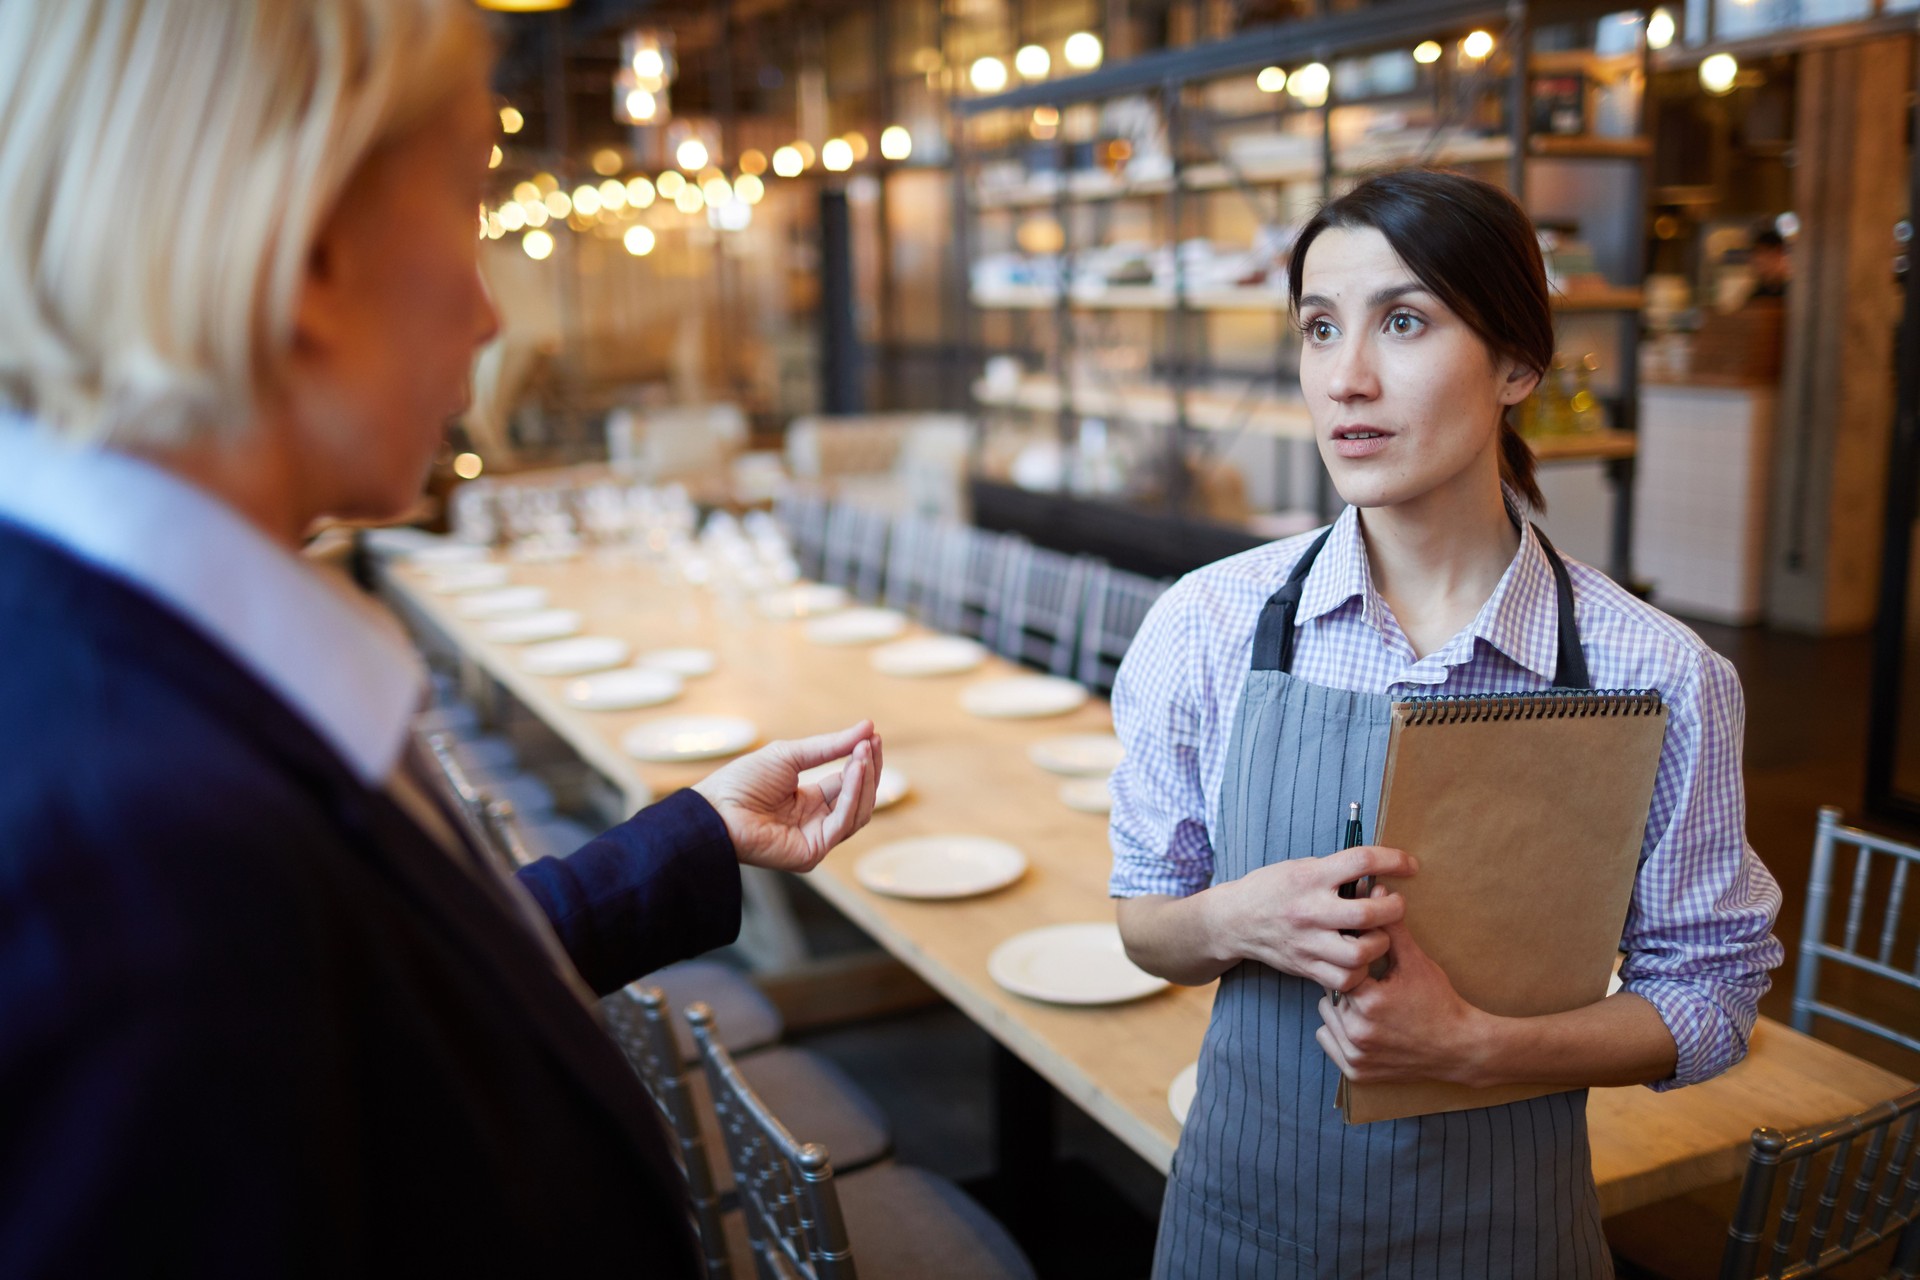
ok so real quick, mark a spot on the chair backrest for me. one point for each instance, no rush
(1878, 886)
(1043, 597)
(1117, 603)
(785, 1188)
(803, 515)
(504, 840)
(913, 566)
(466, 798)
(1869, 1161)
(856, 549)
(971, 565)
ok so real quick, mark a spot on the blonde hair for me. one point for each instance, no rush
(166, 166)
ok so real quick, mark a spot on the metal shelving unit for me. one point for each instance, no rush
(1196, 415)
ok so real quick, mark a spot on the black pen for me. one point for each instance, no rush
(1363, 887)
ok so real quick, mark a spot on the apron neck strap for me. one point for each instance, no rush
(1273, 639)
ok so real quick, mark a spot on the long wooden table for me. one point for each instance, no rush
(973, 776)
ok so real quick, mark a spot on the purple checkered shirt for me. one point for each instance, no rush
(1698, 940)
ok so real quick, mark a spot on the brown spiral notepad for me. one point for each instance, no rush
(1527, 813)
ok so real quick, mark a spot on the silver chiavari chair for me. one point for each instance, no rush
(856, 549)
(1117, 603)
(972, 564)
(913, 566)
(1877, 885)
(1043, 598)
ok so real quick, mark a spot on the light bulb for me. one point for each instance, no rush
(1309, 84)
(538, 244)
(468, 466)
(692, 155)
(1478, 44)
(606, 162)
(786, 162)
(639, 240)
(805, 149)
(1718, 72)
(648, 64)
(836, 155)
(641, 105)
(895, 142)
(525, 191)
(1660, 29)
(749, 188)
(559, 203)
(586, 200)
(1082, 51)
(639, 192)
(613, 195)
(493, 161)
(989, 75)
(536, 214)
(1427, 52)
(1033, 62)
(512, 217)
(511, 121)
(753, 162)
(858, 141)
(688, 199)
(671, 183)
(1271, 80)
(716, 191)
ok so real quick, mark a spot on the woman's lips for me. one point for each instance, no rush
(1360, 442)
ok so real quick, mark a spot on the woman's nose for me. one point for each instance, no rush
(1352, 375)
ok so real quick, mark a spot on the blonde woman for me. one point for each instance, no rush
(260, 1012)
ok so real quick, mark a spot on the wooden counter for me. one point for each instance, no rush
(973, 776)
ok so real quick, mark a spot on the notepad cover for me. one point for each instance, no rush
(1527, 813)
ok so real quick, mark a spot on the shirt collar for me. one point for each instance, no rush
(340, 661)
(1520, 618)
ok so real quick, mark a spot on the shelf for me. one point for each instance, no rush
(1151, 403)
(1595, 446)
(1556, 146)
(1152, 298)
(1220, 176)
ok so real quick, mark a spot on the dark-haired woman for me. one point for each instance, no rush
(1255, 704)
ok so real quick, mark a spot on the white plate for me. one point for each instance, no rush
(1022, 697)
(1088, 795)
(545, 552)
(685, 663)
(1078, 755)
(941, 867)
(1180, 1092)
(576, 656)
(457, 578)
(804, 601)
(440, 555)
(501, 603)
(857, 626)
(673, 738)
(1071, 964)
(892, 790)
(623, 690)
(929, 656)
(548, 624)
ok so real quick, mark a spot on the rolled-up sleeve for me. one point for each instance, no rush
(1158, 827)
(1699, 938)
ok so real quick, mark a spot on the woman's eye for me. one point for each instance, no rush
(1403, 324)
(1319, 330)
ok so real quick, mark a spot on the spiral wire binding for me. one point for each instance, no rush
(1542, 704)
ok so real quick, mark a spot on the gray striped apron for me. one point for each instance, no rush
(1269, 1181)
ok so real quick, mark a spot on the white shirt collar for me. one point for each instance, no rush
(339, 660)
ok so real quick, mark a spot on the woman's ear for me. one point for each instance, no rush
(1518, 382)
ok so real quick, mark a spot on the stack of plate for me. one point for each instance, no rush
(857, 626)
(677, 738)
(929, 656)
(941, 867)
(548, 624)
(623, 690)
(1071, 964)
(1023, 697)
(576, 656)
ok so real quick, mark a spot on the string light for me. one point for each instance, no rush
(895, 142)
(836, 155)
(511, 121)
(536, 214)
(586, 200)
(639, 192)
(716, 191)
(525, 192)
(493, 161)
(641, 106)
(688, 199)
(1271, 80)
(606, 162)
(1427, 52)
(1478, 44)
(692, 155)
(546, 183)
(512, 217)
(988, 75)
(538, 244)
(805, 149)
(749, 189)
(786, 162)
(613, 195)
(1718, 73)
(671, 183)
(495, 227)
(1082, 51)
(753, 162)
(1033, 62)
(1660, 29)
(1309, 84)
(559, 204)
(639, 240)
(468, 466)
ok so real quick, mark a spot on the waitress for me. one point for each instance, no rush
(1254, 705)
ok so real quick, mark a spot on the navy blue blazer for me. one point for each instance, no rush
(254, 1022)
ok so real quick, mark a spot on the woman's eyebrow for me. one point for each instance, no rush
(1380, 298)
